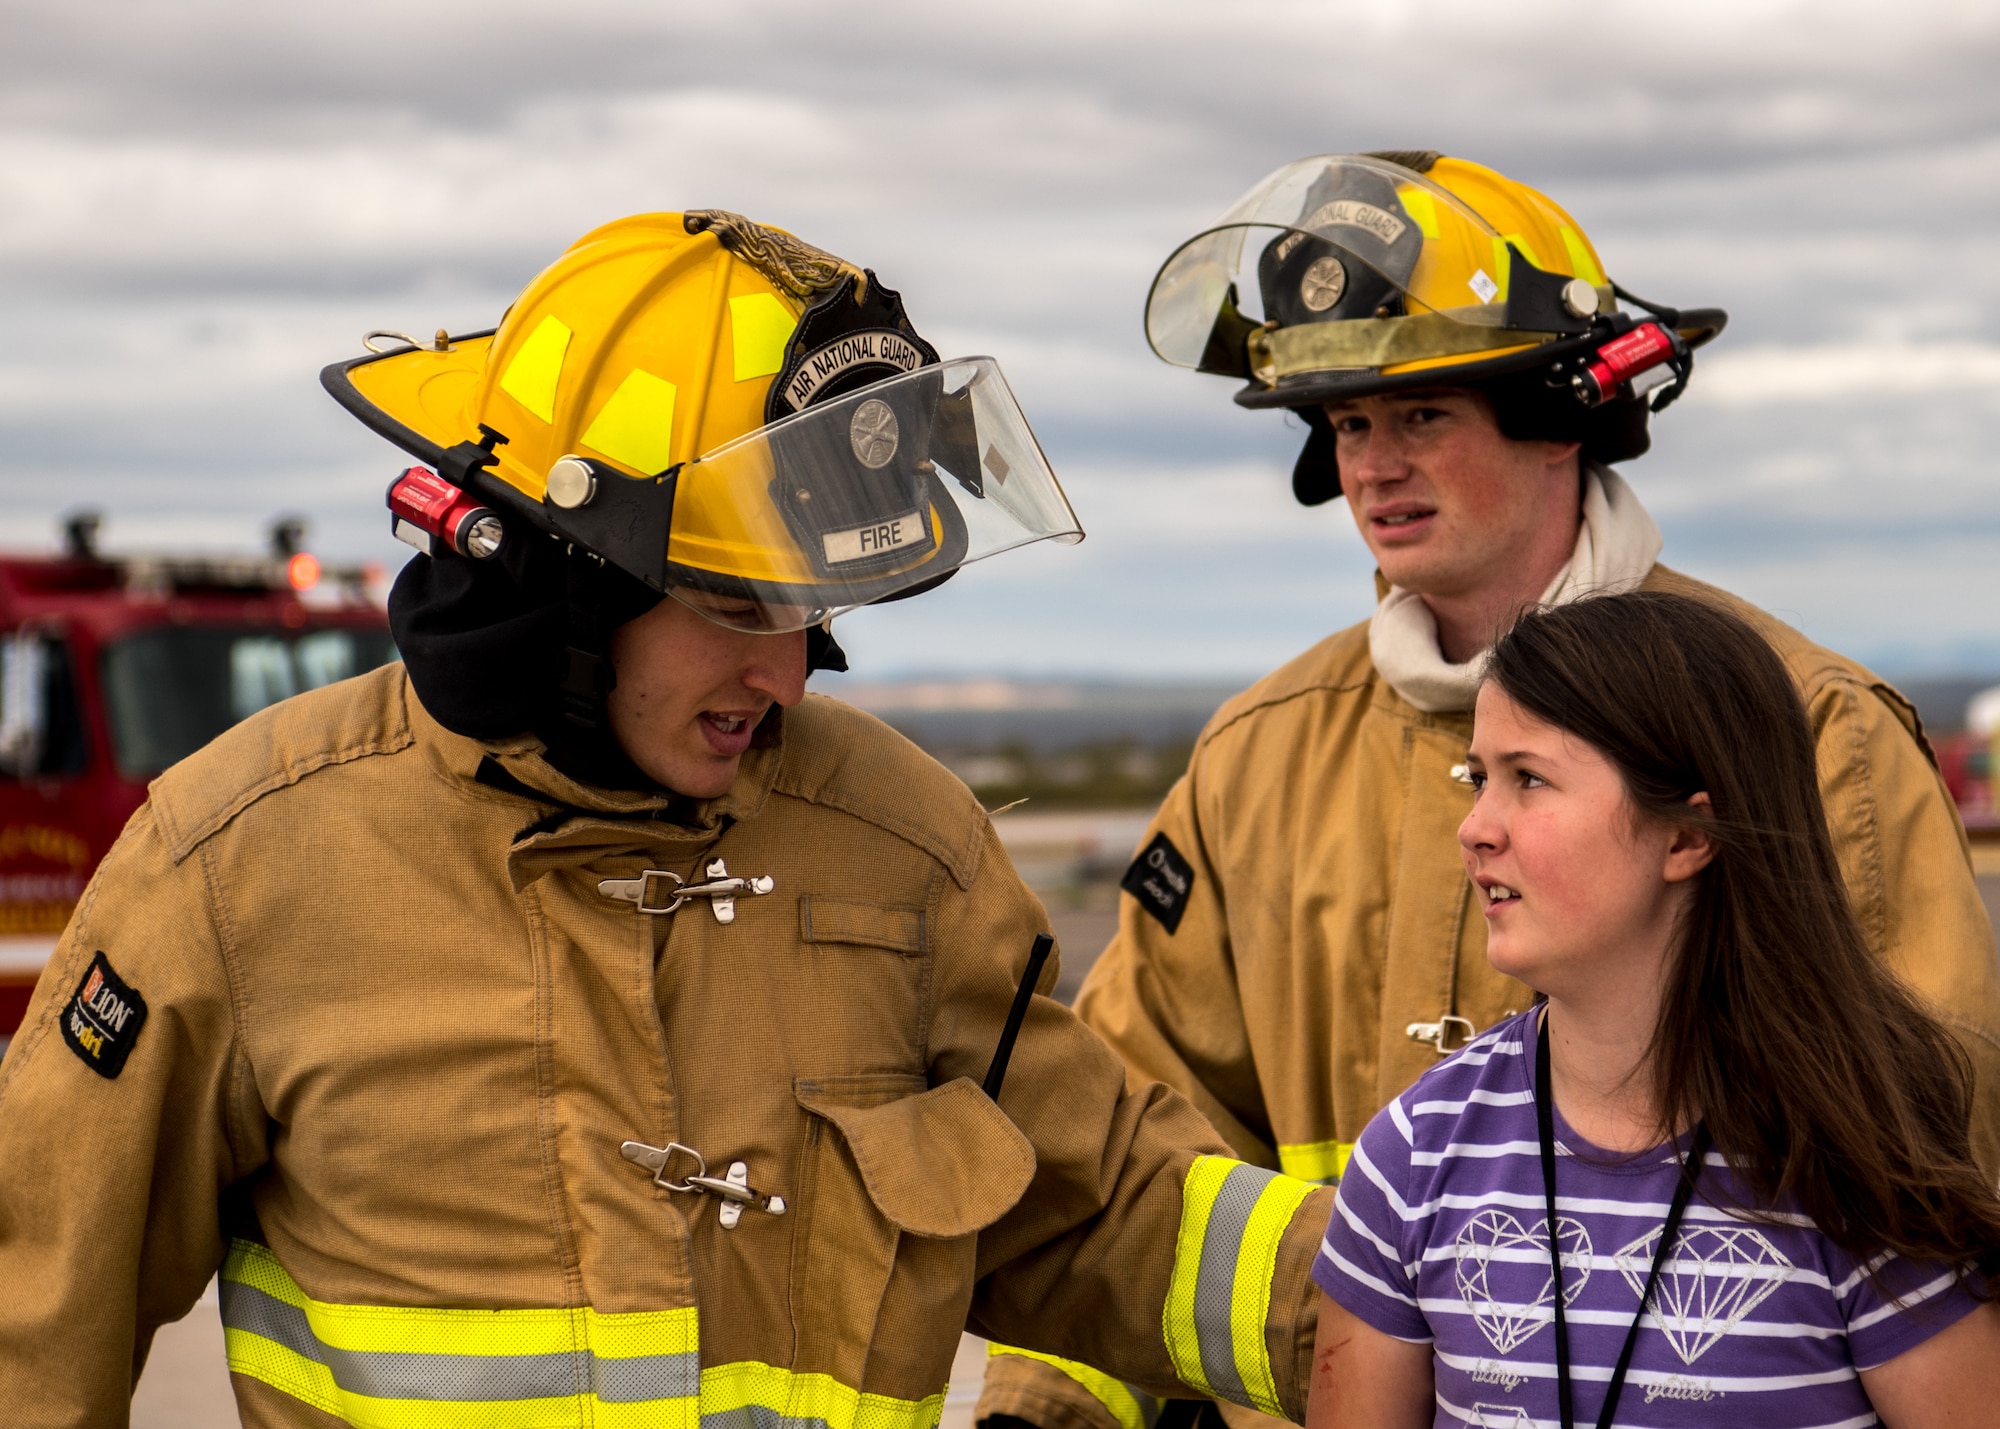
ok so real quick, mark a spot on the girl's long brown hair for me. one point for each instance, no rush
(1823, 1080)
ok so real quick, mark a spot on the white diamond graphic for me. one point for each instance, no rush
(1716, 1276)
(1494, 1241)
(1501, 1416)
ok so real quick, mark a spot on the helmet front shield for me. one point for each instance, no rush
(861, 498)
(1348, 262)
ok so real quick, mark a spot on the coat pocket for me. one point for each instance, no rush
(944, 1163)
(901, 1179)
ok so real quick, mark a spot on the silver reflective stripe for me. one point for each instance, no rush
(756, 1416)
(1147, 1406)
(641, 1379)
(383, 1374)
(1215, 1282)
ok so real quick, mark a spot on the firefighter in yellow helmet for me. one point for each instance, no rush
(580, 1024)
(1393, 272)
(1298, 941)
(676, 404)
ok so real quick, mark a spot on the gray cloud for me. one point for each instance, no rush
(201, 202)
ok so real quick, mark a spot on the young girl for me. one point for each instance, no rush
(1720, 1173)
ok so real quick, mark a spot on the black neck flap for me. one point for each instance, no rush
(492, 651)
(483, 640)
(490, 648)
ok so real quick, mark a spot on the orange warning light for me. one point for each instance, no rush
(302, 571)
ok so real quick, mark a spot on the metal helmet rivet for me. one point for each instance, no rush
(571, 483)
(1580, 298)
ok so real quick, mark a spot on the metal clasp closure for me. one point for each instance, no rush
(658, 891)
(1439, 1033)
(733, 1190)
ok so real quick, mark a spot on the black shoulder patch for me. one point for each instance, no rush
(103, 1019)
(1161, 880)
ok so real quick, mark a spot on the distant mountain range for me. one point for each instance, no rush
(1941, 700)
(957, 713)
(981, 712)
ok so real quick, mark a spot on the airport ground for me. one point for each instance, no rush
(1072, 859)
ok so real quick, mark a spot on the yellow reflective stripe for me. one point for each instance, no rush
(1250, 1304)
(1520, 241)
(251, 1264)
(636, 426)
(282, 1369)
(313, 1384)
(396, 1329)
(1198, 1191)
(396, 1367)
(532, 376)
(518, 1369)
(1233, 1221)
(819, 1399)
(1580, 261)
(1323, 1161)
(1132, 1408)
(1421, 206)
(642, 1332)
(660, 1414)
(759, 328)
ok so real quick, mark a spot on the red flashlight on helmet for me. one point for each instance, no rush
(434, 516)
(1625, 357)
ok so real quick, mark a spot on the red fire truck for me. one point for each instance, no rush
(112, 668)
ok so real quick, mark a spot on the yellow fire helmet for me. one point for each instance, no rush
(732, 416)
(1393, 271)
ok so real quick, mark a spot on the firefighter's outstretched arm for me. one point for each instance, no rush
(1141, 1246)
(124, 1113)
(1164, 995)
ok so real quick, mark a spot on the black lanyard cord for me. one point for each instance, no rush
(1545, 1122)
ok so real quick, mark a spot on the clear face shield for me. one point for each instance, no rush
(861, 498)
(1351, 262)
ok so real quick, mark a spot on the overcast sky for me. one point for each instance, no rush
(201, 203)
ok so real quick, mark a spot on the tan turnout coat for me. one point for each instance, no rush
(394, 1036)
(1330, 928)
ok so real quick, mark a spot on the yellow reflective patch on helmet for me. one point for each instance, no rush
(1520, 241)
(636, 426)
(531, 377)
(1582, 264)
(1421, 208)
(1503, 262)
(759, 328)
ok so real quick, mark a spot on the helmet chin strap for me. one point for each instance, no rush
(587, 670)
(582, 744)
(823, 651)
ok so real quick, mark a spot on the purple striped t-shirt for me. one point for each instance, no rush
(1440, 1235)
